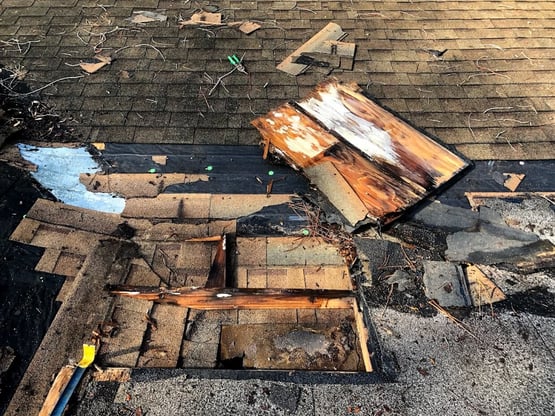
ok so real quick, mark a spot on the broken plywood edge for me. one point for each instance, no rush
(483, 291)
(363, 337)
(476, 199)
(332, 31)
(134, 185)
(200, 206)
(74, 323)
(230, 298)
(283, 137)
(114, 374)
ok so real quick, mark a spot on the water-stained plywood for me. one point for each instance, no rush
(388, 164)
(292, 346)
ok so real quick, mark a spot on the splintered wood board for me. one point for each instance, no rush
(300, 139)
(389, 165)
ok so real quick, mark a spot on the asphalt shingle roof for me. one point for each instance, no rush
(491, 94)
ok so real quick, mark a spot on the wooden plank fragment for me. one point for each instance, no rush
(118, 374)
(328, 179)
(332, 31)
(300, 139)
(482, 290)
(217, 299)
(362, 335)
(56, 390)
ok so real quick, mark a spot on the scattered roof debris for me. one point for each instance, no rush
(249, 27)
(320, 45)
(370, 164)
(202, 18)
(513, 180)
(98, 62)
(143, 16)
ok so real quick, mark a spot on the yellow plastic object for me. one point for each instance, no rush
(89, 352)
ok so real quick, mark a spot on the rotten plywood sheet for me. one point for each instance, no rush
(388, 164)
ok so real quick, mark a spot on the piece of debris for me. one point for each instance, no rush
(160, 159)
(144, 16)
(93, 65)
(202, 18)
(402, 279)
(513, 180)
(369, 164)
(121, 375)
(316, 44)
(329, 54)
(482, 290)
(445, 283)
(249, 27)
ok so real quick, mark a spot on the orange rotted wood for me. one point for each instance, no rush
(389, 165)
(231, 298)
(294, 135)
(382, 137)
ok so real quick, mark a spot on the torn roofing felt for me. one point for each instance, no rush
(370, 164)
